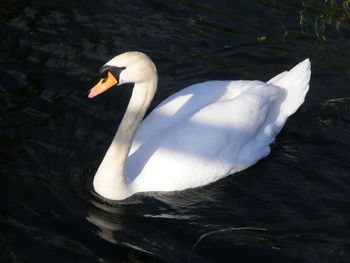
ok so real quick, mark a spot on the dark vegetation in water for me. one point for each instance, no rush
(52, 137)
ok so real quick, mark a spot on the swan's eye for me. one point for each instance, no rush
(104, 73)
(105, 77)
(115, 71)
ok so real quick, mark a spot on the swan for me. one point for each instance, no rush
(196, 136)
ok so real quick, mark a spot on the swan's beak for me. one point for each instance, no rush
(103, 85)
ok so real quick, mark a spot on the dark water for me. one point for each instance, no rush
(52, 137)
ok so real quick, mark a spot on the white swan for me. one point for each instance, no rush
(196, 136)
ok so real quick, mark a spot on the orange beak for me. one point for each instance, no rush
(103, 85)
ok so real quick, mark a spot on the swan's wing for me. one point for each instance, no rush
(209, 143)
(184, 104)
(178, 107)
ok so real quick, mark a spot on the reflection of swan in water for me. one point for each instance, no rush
(149, 223)
(196, 136)
(143, 224)
(165, 226)
(110, 225)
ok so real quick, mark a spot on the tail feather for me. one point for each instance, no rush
(296, 83)
(277, 77)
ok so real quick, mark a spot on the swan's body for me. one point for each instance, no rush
(196, 136)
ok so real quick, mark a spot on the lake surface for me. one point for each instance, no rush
(53, 137)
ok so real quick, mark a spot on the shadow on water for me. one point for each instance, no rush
(52, 137)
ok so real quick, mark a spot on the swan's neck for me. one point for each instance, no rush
(110, 179)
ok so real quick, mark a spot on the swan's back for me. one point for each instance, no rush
(212, 129)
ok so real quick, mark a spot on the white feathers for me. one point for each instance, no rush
(210, 130)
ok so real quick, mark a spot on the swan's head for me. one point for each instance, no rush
(130, 67)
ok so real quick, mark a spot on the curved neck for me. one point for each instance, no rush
(110, 180)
